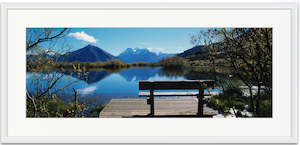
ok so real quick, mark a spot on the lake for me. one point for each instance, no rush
(99, 86)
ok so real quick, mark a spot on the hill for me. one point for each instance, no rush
(194, 51)
(88, 53)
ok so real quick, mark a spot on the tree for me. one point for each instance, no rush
(37, 36)
(248, 50)
(39, 45)
(250, 53)
(209, 40)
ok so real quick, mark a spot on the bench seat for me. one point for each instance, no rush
(200, 85)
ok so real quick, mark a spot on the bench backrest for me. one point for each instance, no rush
(176, 85)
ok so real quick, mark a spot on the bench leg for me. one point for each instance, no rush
(151, 102)
(200, 102)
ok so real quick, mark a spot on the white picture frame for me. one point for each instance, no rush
(294, 61)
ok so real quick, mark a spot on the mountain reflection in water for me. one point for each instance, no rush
(100, 86)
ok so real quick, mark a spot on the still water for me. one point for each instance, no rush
(97, 87)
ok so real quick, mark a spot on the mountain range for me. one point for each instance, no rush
(91, 53)
(141, 55)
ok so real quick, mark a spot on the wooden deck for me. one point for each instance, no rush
(177, 106)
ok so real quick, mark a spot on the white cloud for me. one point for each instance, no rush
(87, 90)
(83, 36)
(156, 50)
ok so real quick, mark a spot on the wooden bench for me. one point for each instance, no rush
(200, 85)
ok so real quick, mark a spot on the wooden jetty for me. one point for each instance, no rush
(169, 107)
(164, 107)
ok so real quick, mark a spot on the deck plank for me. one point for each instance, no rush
(169, 93)
(146, 94)
(163, 106)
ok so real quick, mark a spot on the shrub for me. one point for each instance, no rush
(174, 62)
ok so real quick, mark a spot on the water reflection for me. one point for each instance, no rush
(90, 76)
(99, 86)
(136, 74)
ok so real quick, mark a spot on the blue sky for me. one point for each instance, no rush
(116, 40)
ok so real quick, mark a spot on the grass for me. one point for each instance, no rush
(143, 64)
(110, 65)
(174, 62)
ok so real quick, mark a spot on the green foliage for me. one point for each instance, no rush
(219, 62)
(143, 64)
(265, 108)
(54, 107)
(248, 51)
(223, 103)
(265, 105)
(174, 62)
(115, 64)
(234, 98)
